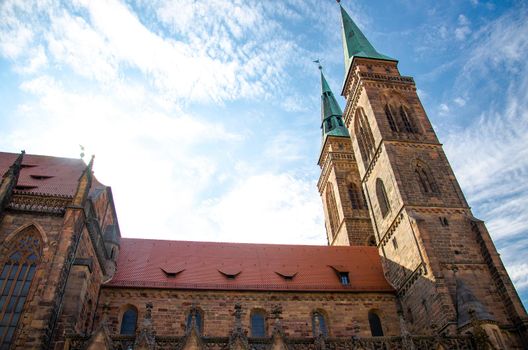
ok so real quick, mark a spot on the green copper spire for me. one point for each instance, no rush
(331, 114)
(355, 43)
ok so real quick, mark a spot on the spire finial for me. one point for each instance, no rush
(318, 64)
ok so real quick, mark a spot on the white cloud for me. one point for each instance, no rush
(460, 101)
(463, 20)
(104, 40)
(274, 208)
(443, 109)
(463, 29)
(490, 154)
(144, 149)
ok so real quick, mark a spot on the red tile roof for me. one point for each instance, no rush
(204, 265)
(47, 175)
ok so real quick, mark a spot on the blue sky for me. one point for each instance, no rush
(204, 116)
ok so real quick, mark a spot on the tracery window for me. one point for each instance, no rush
(382, 197)
(364, 136)
(375, 324)
(22, 256)
(258, 324)
(332, 209)
(425, 179)
(390, 118)
(406, 121)
(357, 199)
(319, 324)
(129, 321)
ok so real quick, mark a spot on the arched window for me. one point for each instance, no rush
(406, 120)
(364, 136)
(198, 317)
(19, 261)
(357, 199)
(383, 200)
(390, 118)
(129, 321)
(332, 209)
(425, 179)
(258, 324)
(375, 324)
(319, 324)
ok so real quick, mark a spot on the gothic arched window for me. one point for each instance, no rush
(375, 324)
(406, 120)
(198, 319)
(383, 200)
(319, 324)
(332, 209)
(425, 179)
(364, 136)
(356, 197)
(19, 263)
(258, 324)
(129, 321)
(390, 118)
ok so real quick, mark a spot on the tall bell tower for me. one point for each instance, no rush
(347, 218)
(438, 256)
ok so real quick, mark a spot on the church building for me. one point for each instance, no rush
(407, 265)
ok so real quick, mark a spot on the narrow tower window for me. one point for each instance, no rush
(332, 209)
(19, 265)
(382, 197)
(390, 118)
(328, 125)
(258, 324)
(129, 321)
(356, 198)
(425, 179)
(406, 121)
(364, 136)
(375, 324)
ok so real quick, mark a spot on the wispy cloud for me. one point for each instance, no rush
(490, 155)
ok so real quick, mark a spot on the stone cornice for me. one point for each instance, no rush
(327, 160)
(39, 203)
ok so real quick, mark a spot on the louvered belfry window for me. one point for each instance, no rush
(18, 269)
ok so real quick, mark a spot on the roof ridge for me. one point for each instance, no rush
(244, 243)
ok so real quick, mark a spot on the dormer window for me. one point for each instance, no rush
(230, 273)
(171, 271)
(287, 275)
(343, 277)
(41, 177)
(24, 187)
(342, 274)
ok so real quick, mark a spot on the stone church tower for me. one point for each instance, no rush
(437, 255)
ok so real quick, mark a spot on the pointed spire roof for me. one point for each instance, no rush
(331, 114)
(355, 44)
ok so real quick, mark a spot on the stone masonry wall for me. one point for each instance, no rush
(343, 311)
